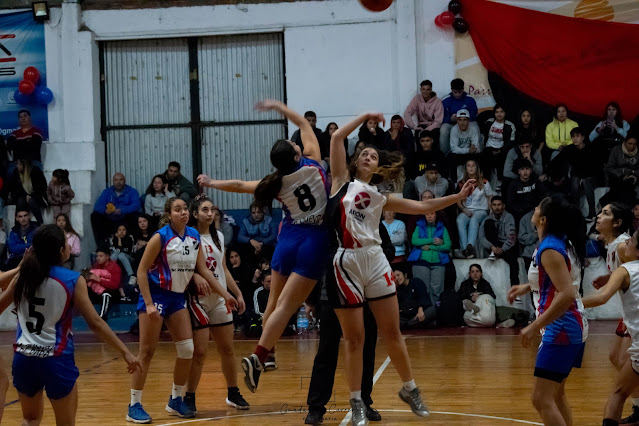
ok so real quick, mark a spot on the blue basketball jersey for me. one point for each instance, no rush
(175, 265)
(44, 322)
(304, 194)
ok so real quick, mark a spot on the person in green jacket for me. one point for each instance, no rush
(181, 186)
(432, 245)
(557, 133)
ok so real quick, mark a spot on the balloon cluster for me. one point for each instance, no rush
(452, 17)
(28, 90)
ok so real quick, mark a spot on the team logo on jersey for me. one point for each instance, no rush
(362, 200)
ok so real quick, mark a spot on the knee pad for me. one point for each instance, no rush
(184, 349)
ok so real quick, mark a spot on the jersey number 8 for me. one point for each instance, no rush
(305, 199)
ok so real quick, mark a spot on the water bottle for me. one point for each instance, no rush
(302, 320)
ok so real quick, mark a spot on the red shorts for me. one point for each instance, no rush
(621, 330)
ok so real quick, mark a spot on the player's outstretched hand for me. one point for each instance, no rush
(267, 105)
(377, 116)
(467, 189)
(600, 281)
(133, 362)
(204, 180)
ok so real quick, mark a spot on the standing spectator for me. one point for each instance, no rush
(464, 142)
(431, 181)
(20, 238)
(497, 234)
(28, 186)
(622, 171)
(527, 127)
(612, 129)
(528, 238)
(178, 184)
(107, 284)
(397, 231)
(117, 204)
(473, 210)
(426, 153)
(478, 299)
(325, 142)
(143, 234)
(157, 194)
(59, 193)
(557, 133)
(121, 246)
(399, 137)
(258, 234)
(25, 143)
(430, 254)
(524, 150)
(73, 239)
(500, 135)
(425, 111)
(525, 193)
(457, 100)
(311, 117)
(372, 134)
(415, 309)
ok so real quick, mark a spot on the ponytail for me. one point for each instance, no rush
(283, 159)
(565, 218)
(267, 190)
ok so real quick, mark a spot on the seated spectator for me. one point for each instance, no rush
(3, 239)
(28, 186)
(25, 143)
(59, 193)
(498, 235)
(178, 184)
(612, 129)
(311, 117)
(325, 142)
(104, 285)
(261, 294)
(464, 143)
(117, 204)
(359, 147)
(499, 134)
(525, 193)
(558, 183)
(527, 237)
(557, 133)
(478, 299)
(142, 235)
(157, 194)
(457, 100)
(121, 246)
(415, 309)
(431, 181)
(622, 171)
(73, 239)
(241, 273)
(527, 128)
(258, 234)
(473, 210)
(372, 134)
(524, 150)
(397, 232)
(399, 137)
(431, 244)
(425, 111)
(426, 153)
(20, 237)
(223, 226)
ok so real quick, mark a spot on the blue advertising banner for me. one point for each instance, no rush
(21, 46)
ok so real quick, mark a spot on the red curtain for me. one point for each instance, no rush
(556, 59)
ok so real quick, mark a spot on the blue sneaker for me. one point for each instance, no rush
(137, 414)
(177, 408)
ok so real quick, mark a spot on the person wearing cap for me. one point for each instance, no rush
(464, 142)
(457, 100)
(525, 149)
(431, 180)
(525, 193)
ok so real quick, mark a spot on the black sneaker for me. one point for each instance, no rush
(269, 363)
(236, 400)
(633, 418)
(314, 418)
(189, 402)
(372, 414)
(252, 368)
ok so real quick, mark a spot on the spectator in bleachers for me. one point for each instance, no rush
(261, 294)
(28, 186)
(415, 308)
(432, 244)
(258, 234)
(425, 111)
(359, 147)
(372, 134)
(3, 238)
(558, 183)
(498, 235)
(473, 210)
(478, 299)
(527, 237)
(107, 284)
(635, 214)
(557, 133)
(73, 239)
(59, 193)
(524, 150)
(20, 237)
(426, 153)
(117, 204)
(524, 193)
(241, 273)
(325, 141)
(221, 225)
(4, 158)
(311, 117)
(122, 246)
(464, 142)
(612, 129)
(622, 171)
(142, 235)
(399, 137)
(157, 194)
(432, 181)
(457, 100)
(25, 143)
(178, 184)
(397, 232)
(527, 128)
(499, 135)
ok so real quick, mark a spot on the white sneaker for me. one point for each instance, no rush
(457, 254)
(492, 256)
(133, 280)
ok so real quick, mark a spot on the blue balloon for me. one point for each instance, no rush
(43, 95)
(21, 98)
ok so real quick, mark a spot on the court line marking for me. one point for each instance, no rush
(376, 377)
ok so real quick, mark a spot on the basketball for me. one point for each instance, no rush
(376, 5)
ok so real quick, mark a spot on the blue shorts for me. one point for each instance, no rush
(55, 374)
(554, 362)
(301, 249)
(167, 302)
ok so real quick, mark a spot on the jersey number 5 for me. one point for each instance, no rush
(39, 318)
(305, 199)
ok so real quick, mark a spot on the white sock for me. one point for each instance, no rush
(635, 402)
(136, 396)
(409, 386)
(356, 395)
(177, 391)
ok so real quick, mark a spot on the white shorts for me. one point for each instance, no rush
(208, 311)
(361, 274)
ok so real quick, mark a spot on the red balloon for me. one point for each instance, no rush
(447, 18)
(438, 21)
(376, 5)
(26, 87)
(32, 74)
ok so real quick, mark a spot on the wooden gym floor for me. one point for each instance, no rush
(467, 377)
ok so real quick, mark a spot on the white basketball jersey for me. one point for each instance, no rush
(304, 195)
(630, 300)
(214, 256)
(612, 256)
(359, 212)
